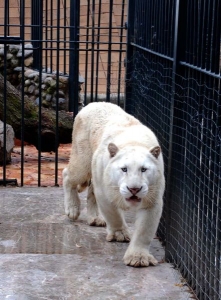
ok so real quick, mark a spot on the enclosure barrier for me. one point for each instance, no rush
(173, 86)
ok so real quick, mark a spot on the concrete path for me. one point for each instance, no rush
(43, 255)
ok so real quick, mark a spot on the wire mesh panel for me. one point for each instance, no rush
(173, 86)
(149, 70)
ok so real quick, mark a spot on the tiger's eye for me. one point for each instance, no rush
(143, 169)
(124, 169)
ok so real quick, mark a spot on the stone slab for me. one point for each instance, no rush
(43, 255)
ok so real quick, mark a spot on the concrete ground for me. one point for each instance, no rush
(43, 255)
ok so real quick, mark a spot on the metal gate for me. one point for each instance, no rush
(55, 56)
(173, 86)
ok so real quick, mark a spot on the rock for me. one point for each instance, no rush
(37, 101)
(28, 61)
(81, 79)
(62, 85)
(27, 51)
(14, 48)
(36, 78)
(50, 90)
(27, 82)
(47, 80)
(53, 83)
(29, 73)
(48, 97)
(18, 69)
(43, 76)
(45, 103)
(61, 100)
(14, 62)
(9, 142)
(9, 56)
(31, 89)
(63, 79)
(55, 73)
(48, 70)
(60, 94)
(36, 92)
(32, 98)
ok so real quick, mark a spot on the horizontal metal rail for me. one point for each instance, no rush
(152, 52)
(183, 63)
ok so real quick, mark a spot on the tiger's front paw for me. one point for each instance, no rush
(119, 236)
(96, 221)
(72, 211)
(139, 258)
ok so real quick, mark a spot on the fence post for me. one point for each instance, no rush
(36, 31)
(129, 56)
(74, 56)
(179, 47)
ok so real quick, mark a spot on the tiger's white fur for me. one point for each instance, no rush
(124, 160)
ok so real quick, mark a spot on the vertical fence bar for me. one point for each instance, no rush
(179, 38)
(22, 35)
(86, 52)
(108, 91)
(51, 36)
(120, 53)
(129, 56)
(65, 35)
(57, 93)
(36, 30)
(6, 34)
(92, 48)
(6, 20)
(74, 56)
(98, 50)
(46, 35)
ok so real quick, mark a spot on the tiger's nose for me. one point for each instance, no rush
(134, 191)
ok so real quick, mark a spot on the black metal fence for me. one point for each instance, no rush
(173, 86)
(44, 46)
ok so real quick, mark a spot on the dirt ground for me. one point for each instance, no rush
(13, 170)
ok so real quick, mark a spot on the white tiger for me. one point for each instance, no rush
(124, 160)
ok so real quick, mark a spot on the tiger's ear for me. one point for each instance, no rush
(112, 148)
(155, 151)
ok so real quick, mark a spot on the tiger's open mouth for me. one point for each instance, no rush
(133, 199)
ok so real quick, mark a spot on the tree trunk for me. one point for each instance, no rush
(47, 140)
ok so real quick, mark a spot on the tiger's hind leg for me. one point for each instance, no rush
(93, 215)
